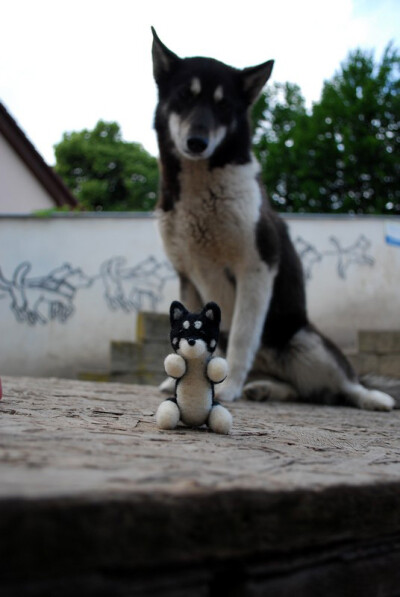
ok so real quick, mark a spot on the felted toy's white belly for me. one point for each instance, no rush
(194, 394)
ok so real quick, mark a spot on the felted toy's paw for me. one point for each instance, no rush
(220, 419)
(167, 415)
(175, 365)
(217, 369)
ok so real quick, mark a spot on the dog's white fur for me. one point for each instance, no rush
(233, 216)
(208, 224)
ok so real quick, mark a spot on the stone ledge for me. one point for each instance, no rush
(152, 326)
(381, 364)
(383, 342)
(95, 500)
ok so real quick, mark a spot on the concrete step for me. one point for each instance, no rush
(384, 342)
(142, 361)
(378, 352)
(152, 326)
(380, 364)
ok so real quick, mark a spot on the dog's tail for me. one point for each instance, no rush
(388, 385)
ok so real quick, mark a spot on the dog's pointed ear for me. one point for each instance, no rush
(212, 312)
(254, 79)
(163, 58)
(177, 311)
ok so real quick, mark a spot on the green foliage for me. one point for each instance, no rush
(343, 156)
(47, 213)
(106, 173)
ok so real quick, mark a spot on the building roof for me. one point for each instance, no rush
(46, 176)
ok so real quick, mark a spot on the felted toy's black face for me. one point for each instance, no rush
(193, 335)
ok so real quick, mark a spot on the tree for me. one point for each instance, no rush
(279, 117)
(105, 172)
(343, 155)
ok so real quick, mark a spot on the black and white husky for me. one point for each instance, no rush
(227, 244)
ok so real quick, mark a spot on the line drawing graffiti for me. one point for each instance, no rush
(308, 254)
(135, 288)
(41, 299)
(355, 254)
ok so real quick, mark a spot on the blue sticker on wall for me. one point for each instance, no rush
(392, 235)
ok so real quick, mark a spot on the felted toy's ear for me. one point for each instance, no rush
(177, 311)
(254, 79)
(212, 312)
(163, 58)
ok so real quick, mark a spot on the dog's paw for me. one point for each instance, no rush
(256, 391)
(376, 400)
(228, 392)
(267, 389)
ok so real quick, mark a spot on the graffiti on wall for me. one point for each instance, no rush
(51, 297)
(345, 257)
(40, 299)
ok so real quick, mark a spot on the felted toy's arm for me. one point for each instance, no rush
(217, 369)
(175, 366)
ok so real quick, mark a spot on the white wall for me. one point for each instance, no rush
(71, 283)
(20, 191)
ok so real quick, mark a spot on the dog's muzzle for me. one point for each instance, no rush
(196, 144)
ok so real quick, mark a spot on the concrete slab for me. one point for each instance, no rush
(299, 500)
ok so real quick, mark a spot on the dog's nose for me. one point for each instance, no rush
(191, 341)
(197, 144)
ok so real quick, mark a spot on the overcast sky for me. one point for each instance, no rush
(64, 65)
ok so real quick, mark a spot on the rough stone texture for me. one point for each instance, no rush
(141, 362)
(383, 342)
(123, 356)
(95, 500)
(379, 352)
(152, 326)
(381, 364)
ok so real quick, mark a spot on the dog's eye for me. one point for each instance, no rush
(185, 94)
(224, 107)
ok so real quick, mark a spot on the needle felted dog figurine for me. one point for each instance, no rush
(194, 337)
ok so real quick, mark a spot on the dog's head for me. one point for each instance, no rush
(203, 102)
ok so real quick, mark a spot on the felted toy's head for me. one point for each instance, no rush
(194, 335)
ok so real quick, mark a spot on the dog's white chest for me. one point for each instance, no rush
(214, 217)
(194, 394)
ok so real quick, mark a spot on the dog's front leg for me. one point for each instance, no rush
(189, 294)
(253, 296)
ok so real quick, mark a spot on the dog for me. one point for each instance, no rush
(228, 245)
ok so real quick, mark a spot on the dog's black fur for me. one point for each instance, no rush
(228, 245)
